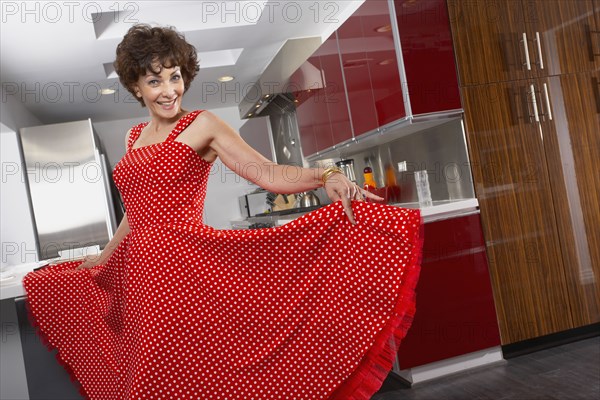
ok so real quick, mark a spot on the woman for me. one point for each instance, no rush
(174, 309)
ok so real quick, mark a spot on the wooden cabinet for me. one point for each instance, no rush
(533, 143)
(455, 306)
(512, 185)
(504, 40)
(426, 42)
(488, 38)
(562, 36)
(572, 146)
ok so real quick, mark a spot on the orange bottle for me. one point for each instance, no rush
(370, 184)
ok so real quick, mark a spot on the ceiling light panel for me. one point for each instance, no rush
(184, 15)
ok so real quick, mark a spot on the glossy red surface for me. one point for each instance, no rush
(426, 41)
(335, 94)
(312, 115)
(455, 306)
(357, 62)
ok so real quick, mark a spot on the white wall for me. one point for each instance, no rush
(224, 187)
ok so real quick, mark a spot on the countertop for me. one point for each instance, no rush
(441, 209)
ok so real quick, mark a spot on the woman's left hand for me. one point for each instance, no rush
(339, 187)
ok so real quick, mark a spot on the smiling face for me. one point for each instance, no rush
(162, 92)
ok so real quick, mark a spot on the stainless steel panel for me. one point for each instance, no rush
(67, 187)
(439, 149)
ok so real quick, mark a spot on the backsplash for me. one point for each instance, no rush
(441, 150)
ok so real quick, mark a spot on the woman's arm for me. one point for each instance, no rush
(241, 158)
(120, 233)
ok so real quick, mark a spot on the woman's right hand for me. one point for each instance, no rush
(90, 261)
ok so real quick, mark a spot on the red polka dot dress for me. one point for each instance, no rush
(313, 309)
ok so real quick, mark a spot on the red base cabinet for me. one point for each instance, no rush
(455, 306)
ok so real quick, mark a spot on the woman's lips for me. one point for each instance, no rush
(167, 105)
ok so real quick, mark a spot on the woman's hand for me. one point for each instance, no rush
(90, 261)
(339, 187)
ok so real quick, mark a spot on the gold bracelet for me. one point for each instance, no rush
(330, 171)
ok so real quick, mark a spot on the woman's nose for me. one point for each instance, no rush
(168, 91)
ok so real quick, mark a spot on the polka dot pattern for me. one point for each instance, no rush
(314, 309)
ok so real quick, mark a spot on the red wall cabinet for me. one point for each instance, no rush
(426, 41)
(370, 67)
(364, 88)
(455, 306)
(335, 94)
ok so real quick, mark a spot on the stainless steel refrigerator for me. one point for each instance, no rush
(72, 194)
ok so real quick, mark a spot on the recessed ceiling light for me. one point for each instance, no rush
(107, 91)
(226, 78)
(384, 28)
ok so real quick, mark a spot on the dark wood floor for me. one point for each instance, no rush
(567, 372)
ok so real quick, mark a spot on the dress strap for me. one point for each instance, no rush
(135, 133)
(182, 124)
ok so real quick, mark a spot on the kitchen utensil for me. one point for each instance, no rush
(307, 199)
(348, 167)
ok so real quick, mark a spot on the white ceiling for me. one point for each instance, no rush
(56, 55)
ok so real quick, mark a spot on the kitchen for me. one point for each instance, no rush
(392, 86)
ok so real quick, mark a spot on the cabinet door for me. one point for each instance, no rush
(311, 111)
(488, 40)
(383, 61)
(429, 63)
(455, 306)
(572, 144)
(305, 126)
(353, 45)
(335, 93)
(564, 36)
(518, 215)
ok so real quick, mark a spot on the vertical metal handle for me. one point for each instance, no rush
(536, 115)
(547, 98)
(526, 47)
(539, 48)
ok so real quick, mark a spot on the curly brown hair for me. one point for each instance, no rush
(144, 46)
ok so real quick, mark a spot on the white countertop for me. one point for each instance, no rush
(441, 209)
(11, 278)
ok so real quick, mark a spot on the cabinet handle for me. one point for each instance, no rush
(526, 47)
(539, 48)
(536, 115)
(547, 98)
(595, 53)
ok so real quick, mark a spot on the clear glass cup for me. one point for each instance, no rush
(423, 189)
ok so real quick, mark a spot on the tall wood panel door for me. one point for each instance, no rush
(563, 36)
(570, 123)
(518, 215)
(489, 43)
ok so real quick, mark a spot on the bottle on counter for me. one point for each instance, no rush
(369, 184)
(391, 184)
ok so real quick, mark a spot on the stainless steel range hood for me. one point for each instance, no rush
(276, 77)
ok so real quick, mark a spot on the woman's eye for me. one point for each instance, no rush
(176, 77)
(153, 82)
